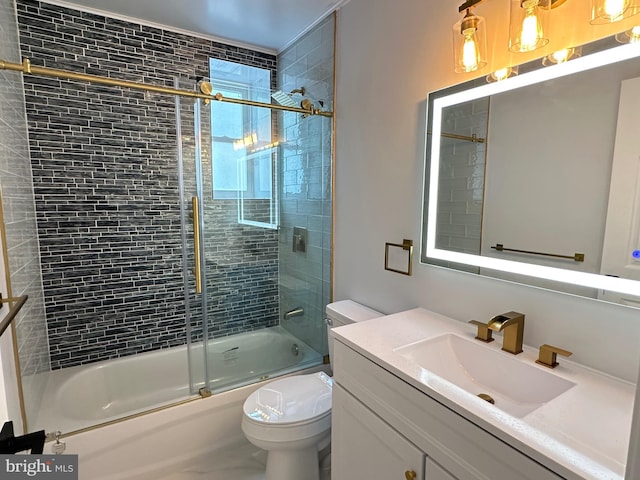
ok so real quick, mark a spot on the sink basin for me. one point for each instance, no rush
(518, 388)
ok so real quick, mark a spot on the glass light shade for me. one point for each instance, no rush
(562, 56)
(609, 11)
(502, 74)
(469, 43)
(527, 25)
(629, 36)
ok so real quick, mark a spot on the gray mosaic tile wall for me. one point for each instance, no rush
(19, 216)
(106, 185)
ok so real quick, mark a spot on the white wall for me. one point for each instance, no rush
(388, 59)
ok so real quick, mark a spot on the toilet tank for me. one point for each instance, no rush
(345, 312)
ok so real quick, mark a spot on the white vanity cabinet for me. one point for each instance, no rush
(372, 448)
(384, 428)
(433, 471)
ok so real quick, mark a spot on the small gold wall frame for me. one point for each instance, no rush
(407, 246)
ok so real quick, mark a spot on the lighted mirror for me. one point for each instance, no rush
(536, 179)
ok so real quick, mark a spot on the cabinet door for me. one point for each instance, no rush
(436, 472)
(365, 447)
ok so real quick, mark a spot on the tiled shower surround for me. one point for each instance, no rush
(306, 179)
(19, 215)
(107, 194)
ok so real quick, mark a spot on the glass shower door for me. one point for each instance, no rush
(240, 241)
(189, 146)
(232, 182)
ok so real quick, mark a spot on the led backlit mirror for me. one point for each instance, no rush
(536, 179)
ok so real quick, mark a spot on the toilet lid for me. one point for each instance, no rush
(294, 399)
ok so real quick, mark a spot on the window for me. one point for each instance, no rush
(244, 153)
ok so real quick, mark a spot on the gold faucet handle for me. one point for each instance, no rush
(548, 355)
(484, 334)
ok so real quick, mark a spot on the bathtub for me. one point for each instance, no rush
(86, 395)
(149, 446)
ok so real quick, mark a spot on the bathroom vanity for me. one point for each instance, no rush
(406, 405)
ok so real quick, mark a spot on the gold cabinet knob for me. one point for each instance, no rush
(410, 475)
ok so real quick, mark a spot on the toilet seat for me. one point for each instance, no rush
(296, 407)
(297, 399)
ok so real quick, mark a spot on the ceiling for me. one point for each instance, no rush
(267, 25)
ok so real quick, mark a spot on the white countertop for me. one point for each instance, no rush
(583, 432)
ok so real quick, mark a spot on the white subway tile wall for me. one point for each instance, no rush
(20, 214)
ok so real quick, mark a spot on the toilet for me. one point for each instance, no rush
(290, 418)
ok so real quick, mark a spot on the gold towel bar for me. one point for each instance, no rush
(578, 257)
(407, 246)
(469, 138)
(19, 302)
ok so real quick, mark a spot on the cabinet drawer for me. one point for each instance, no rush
(459, 446)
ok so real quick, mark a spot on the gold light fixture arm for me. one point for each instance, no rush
(27, 68)
(545, 3)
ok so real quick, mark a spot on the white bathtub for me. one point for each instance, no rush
(83, 396)
(149, 446)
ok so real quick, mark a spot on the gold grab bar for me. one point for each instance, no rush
(196, 242)
(19, 303)
(26, 68)
(578, 257)
(469, 138)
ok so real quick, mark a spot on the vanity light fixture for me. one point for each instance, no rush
(469, 43)
(503, 74)
(526, 33)
(246, 141)
(609, 11)
(527, 25)
(562, 56)
(629, 36)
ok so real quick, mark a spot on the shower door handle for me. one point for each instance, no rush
(196, 242)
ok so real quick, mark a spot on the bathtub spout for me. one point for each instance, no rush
(296, 312)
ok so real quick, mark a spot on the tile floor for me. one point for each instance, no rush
(241, 462)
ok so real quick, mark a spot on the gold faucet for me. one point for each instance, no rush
(513, 325)
(547, 355)
(484, 334)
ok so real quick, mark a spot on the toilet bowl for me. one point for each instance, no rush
(290, 418)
